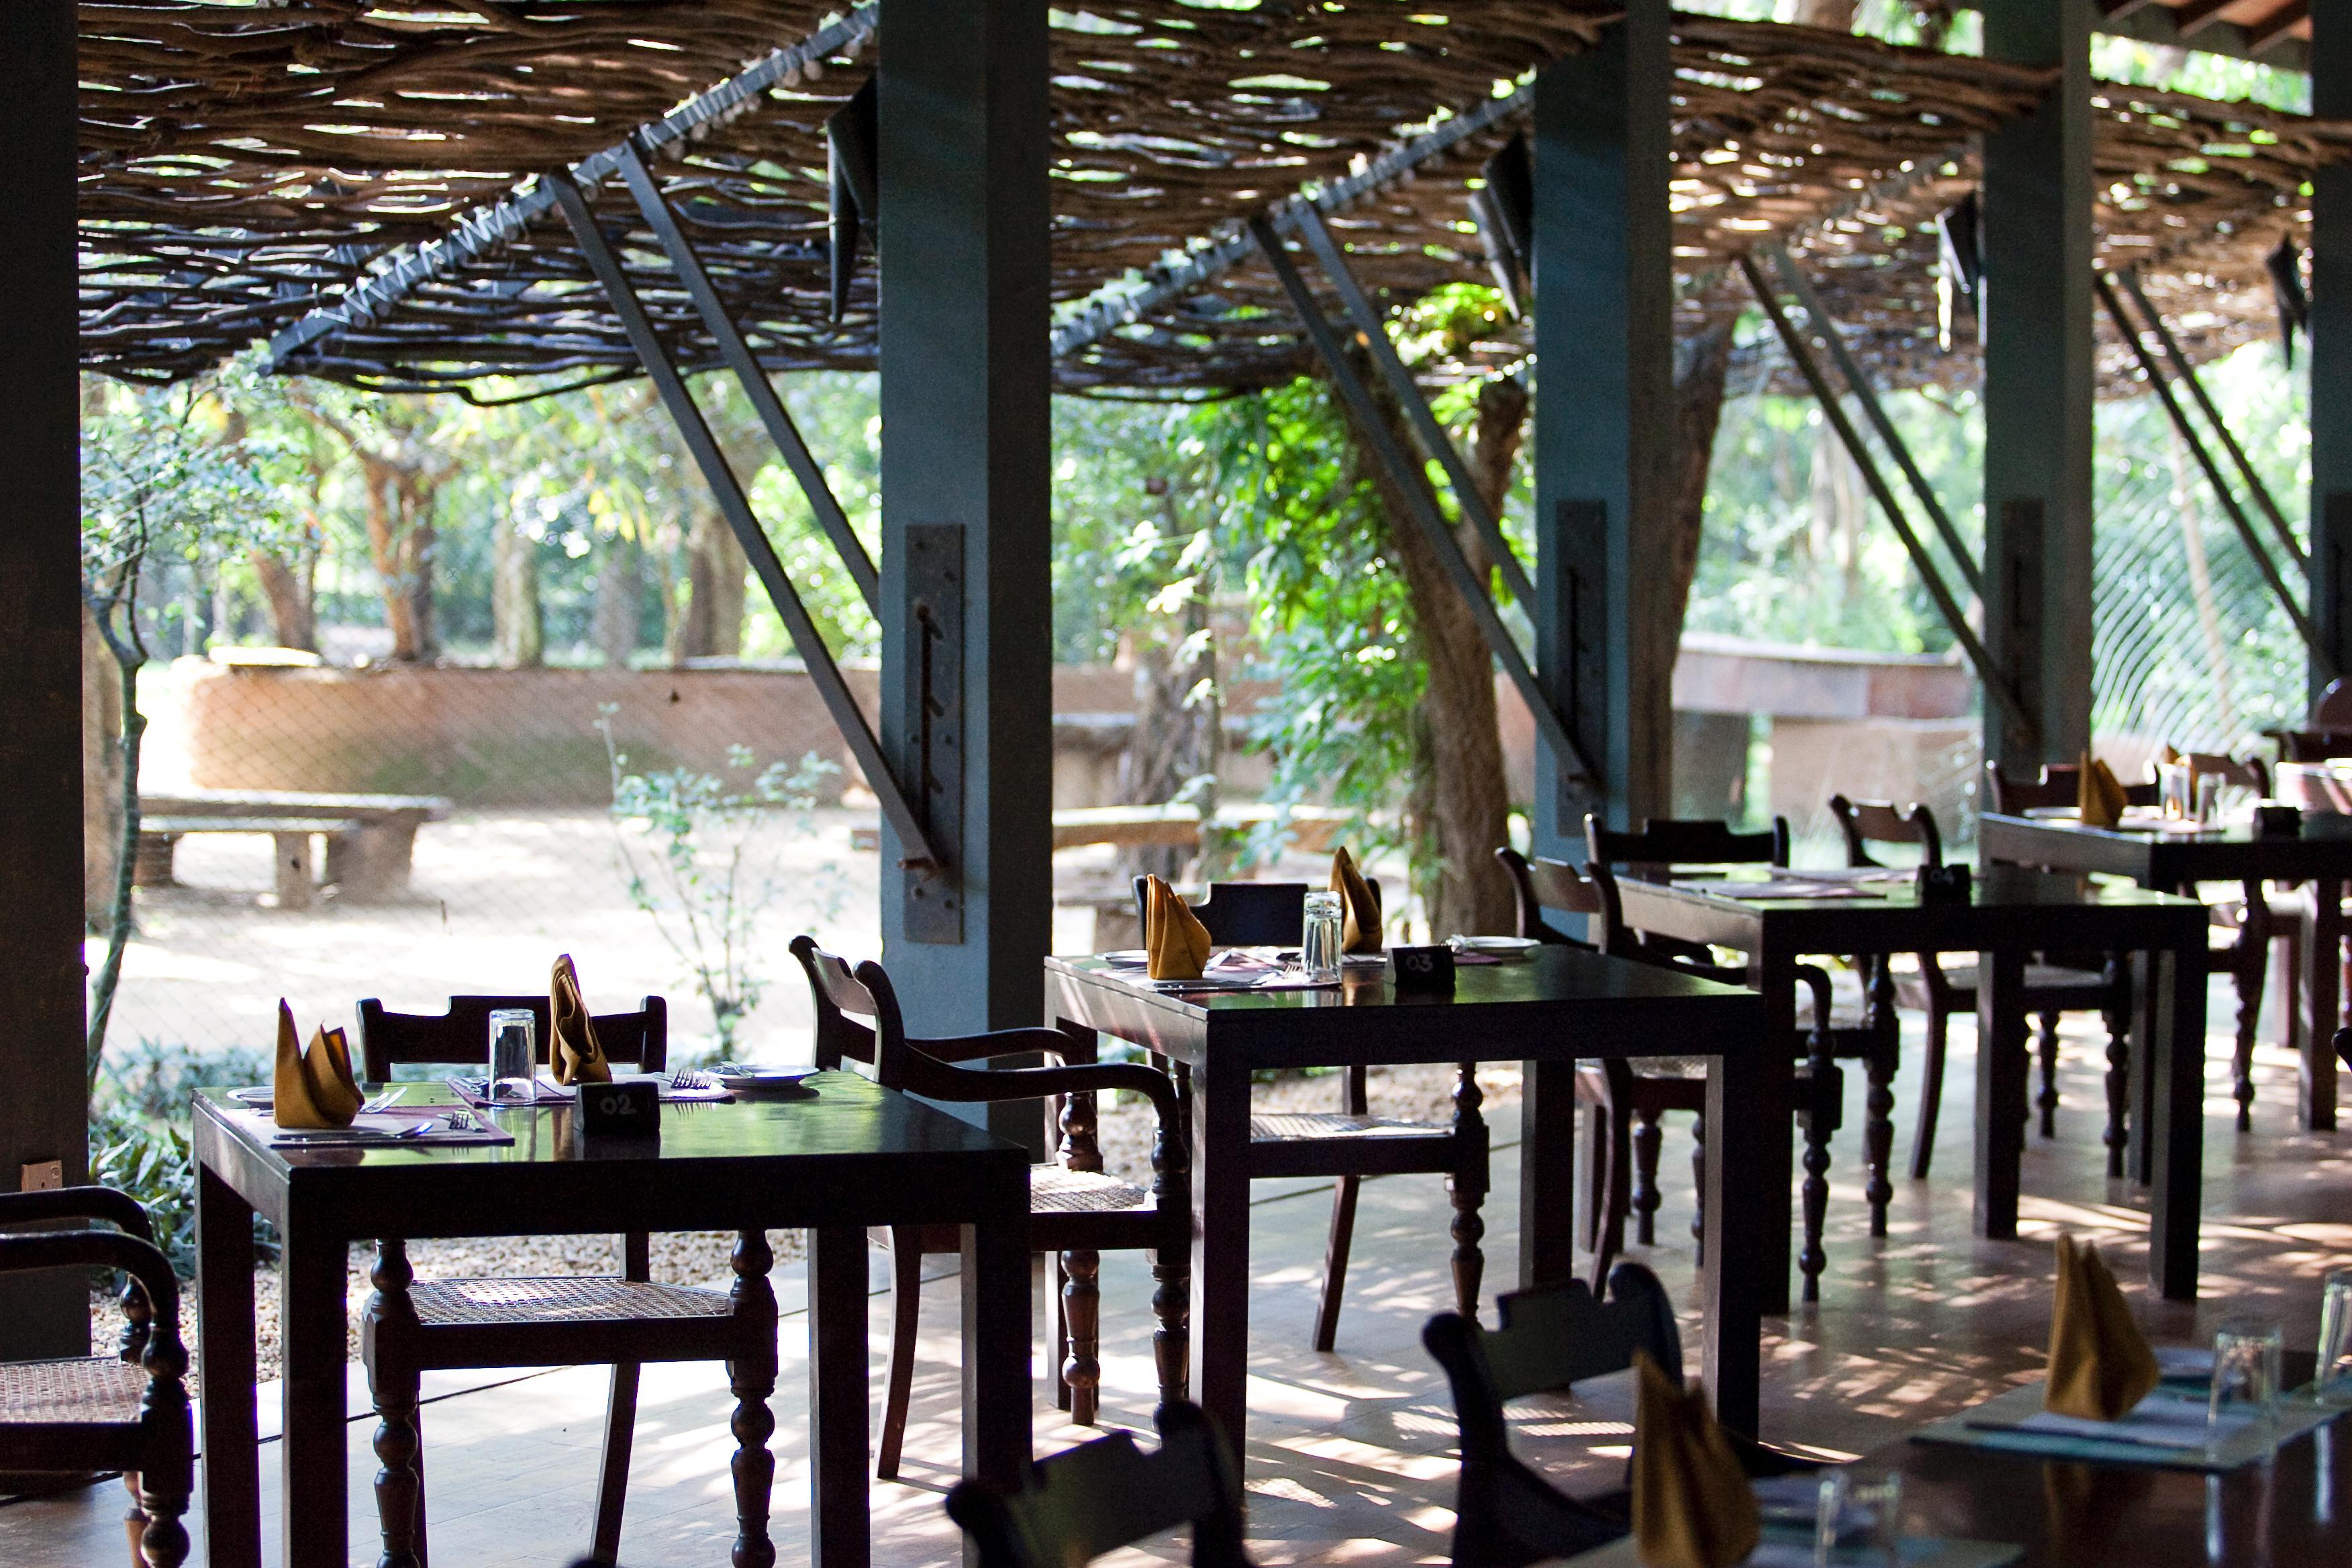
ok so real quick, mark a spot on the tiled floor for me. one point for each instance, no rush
(1347, 1455)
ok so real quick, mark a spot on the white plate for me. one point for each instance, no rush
(259, 1095)
(783, 1083)
(1498, 946)
(1128, 958)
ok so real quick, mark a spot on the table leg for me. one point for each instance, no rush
(840, 1528)
(2323, 936)
(2140, 1088)
(996, 1326)
(1220, 1246)
(2176, 1133)
(1547, 1173)
(2002, 1075)
(1775, 975)
(226, 1328)
(1740, 1220)
(310, 1328)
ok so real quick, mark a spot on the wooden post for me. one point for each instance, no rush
(2038, 178)
(2331, 353)
(966, 704)
(1604, 422)
(40, 667)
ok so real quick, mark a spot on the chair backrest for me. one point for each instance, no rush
(1100, 1496)
(859, 1018)
(2313, 746)
(2239, 773)
(1868, 822)
(2059, 786)
(461, 1035)
(1252, 914)
(841, 1005)
(2334, 709)
(1688, 841)
(1551, 1338)
(1539, 885)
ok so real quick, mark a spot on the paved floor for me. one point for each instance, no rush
(1348, 1454)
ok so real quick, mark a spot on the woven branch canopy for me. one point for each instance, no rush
(243, 166)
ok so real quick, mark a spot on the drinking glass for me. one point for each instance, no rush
(514, 1055)
(2172, 786)
(2245, 1380)
(1865, 1517)
(2331, 1385)
(2207, 790)
(1318, 944)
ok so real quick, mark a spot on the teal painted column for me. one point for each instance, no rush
(40, 664)
(2331, 347)
(966, 440)
(1604, 424)
(2038, 379)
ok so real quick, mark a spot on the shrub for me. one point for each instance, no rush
(139, 1137)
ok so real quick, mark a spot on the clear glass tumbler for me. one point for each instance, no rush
(2331, 1384)
(2246, 1352)
(2172, 789)
(1318, 944)
(1857, 1521)
(514, 1055)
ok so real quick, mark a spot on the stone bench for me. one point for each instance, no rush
(371, 838)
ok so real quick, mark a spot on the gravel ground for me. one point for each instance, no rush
(1419, 1093)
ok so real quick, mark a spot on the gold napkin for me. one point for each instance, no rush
(1360, 932)
(572, 1048)
(2100, 1365)
(1174, 940)
(2097, 794)
(1693, 1506)
(312, 1089)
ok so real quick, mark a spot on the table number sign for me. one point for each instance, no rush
(628, 1110)
(1422, 968)
(1944, 884)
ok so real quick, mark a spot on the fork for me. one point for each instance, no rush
(383, 1101)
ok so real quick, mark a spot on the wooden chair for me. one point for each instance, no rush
(1865, 1030)
(1941, 988)
(1103, 1495)
(2256, 923)
(1075, 1210)
(410, 1328)
(1506, 1515)
(1350, 1143)
(1625, 1099)
(126, 1411)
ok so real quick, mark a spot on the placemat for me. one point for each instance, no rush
(433, 1127)
(2166, 1430)
(1778, 1551)
(676, 1087)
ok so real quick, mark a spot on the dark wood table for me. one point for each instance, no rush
(1562, 1005)
(856, 1155)
(2011, 913)
(2319, 854)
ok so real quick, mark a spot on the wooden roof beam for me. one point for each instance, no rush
(2199, 25)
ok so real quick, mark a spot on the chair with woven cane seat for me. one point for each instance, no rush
(499, 1321)
(1075, 1210)
(1103, 1495)
(2087, 982)
(1624, 1101)
(1506, 1515)
(1350, 1143)
(126, 1411)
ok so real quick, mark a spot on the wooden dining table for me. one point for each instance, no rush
(2009, 913)
(2173, 857)
(1558, 1005)
(853, 1155)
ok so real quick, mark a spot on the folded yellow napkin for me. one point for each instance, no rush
(2097, 793)
(2100, 1363)
(572, 1053)
(312, 1089)
(1693, 1506)
(1174, 940)
(1362, 930)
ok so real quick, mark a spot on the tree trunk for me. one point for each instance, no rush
(108, 978)
(715, 569)
(620, 594)
(1465, 817)
(518, 636)
(1702, 366)
(1837, 15)
(293, 618)
(1179, 726)
(102, 774)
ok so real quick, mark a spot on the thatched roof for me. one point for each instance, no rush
(249, 169)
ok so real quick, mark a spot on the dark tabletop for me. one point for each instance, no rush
(727, 1164)
(1558, 997)
(2320, 847)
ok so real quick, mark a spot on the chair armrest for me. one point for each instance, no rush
(968, 1084)
(147, 1267)
(120, 1209)
(1816, 979)
(995, 1043)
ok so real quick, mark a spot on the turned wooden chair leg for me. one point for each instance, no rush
(906, 1313)
(613, 1477)
(1698, 1187)
(1931, 1092)
(1172, 1304)
(1613, 1175)
(1335, 1261)
(1082, 1306)
(2119, 1089)
(2253, 965)
(1878, 1138)
(1821, 1116)
(1592, 1188)
(1646, 1140)
(162, 1537)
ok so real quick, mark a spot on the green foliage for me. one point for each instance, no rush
(695, 855)
(139, 1136)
